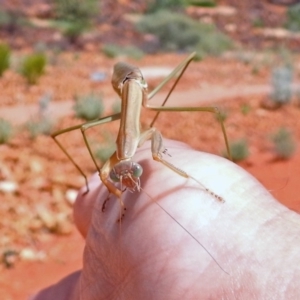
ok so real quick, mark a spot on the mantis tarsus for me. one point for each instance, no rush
(130, 85)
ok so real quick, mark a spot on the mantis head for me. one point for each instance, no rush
(128, 174)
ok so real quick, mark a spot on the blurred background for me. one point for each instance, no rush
(56, 61)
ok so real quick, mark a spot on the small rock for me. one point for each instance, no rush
(47, 218)
(7, 186)
(35, 225)
(5, 172)
(63, 225)
(226, 11)
(36, 166)
(29, 254)
(38, 183)
(71, 196)
(279, 33)
(231, 27)
(98, 76)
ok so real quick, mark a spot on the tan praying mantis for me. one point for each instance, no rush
(130, 85)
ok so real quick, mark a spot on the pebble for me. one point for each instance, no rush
(47, 218)
(98, 76)
(29, 254)
(7, 186)
(71, 196)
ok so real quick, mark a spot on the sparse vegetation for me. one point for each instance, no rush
(106, 148)
(89, 107)
(258, 22)
(6, 131)
(11, 20)
(113, 50)
(72, 10)
(284, 144)
(156, 5)
(282, 78)
(4, 58)
(239, 150)
(73, 30)
(43, 126)
(103, 153)
(75, 16)
(245, 109)
(177, 32)
(33, 67)
(202, 3)
(116, 107)
(293, 17)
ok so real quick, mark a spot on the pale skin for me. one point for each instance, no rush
(254, 239)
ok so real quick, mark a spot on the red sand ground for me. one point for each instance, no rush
(64, 252)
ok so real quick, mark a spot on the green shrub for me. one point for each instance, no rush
(38, 127)
(282, 78)
(89, 107)
(33, 67)
(245, 109)
(239, 150)
(73, 30)
(113, 50)
(76, 10)
(107, 147)
(12, 20)
(284, 144)
(76, 16)
(156, 5)
(133, 52)
(4, 58)
(177, 32)
(6, 131)
(103, 153)
(293, 17)
(202, 3)
(258, 22)
(116, 107)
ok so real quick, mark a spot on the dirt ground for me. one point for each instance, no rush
(44, 175)
(38, 242)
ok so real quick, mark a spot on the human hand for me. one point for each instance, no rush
(248, 247)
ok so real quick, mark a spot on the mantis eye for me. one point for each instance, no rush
(137, 170)
(113, 176)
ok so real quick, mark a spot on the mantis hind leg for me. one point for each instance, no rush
(180, 69)
(214, 110)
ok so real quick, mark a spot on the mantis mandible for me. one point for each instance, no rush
(129, 84)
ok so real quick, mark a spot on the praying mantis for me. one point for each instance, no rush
(128, 82)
